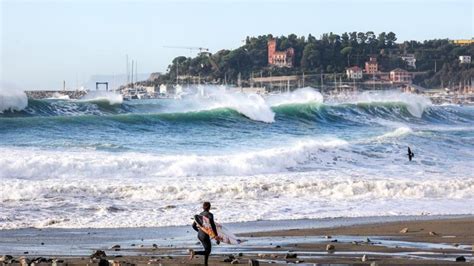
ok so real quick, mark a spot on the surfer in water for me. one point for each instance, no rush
(410, 154)
(204, 236)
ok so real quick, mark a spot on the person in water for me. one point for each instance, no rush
(204, 237)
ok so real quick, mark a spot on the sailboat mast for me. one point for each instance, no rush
(127, 70)
(132, 74)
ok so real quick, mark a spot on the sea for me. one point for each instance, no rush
(102, 162)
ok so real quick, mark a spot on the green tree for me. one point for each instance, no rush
(311, 57)
(346, 52)
(390, 39)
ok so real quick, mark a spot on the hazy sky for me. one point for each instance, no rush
(45, 42)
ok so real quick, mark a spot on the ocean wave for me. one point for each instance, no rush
(415, 104)
(398, 132)
(305, 95)
(12, 100)
(46, 164)
(107, 97)
(77, 203)
(303, 104)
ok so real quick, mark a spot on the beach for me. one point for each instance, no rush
(421, 240)
(299, 170)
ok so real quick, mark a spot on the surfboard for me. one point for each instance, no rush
(224, 235)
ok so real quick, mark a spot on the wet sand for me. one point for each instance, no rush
(383, 243)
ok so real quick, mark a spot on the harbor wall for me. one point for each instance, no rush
(53, 94)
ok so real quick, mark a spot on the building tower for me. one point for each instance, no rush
(271, 50)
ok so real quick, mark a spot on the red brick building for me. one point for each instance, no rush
(399, 75)
(280, 58)
(371, 67)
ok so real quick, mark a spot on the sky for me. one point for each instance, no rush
(44, 42)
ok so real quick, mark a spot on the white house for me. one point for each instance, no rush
(354, 72)
(163, 89)
(410, 60)
(465, 59)
(149, 89)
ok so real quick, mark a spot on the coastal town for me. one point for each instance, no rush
(236, 132)
(281, 72)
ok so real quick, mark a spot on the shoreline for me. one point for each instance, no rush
(266, 241)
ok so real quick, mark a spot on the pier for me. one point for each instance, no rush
(43, 94)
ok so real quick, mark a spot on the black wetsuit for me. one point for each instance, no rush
(203, 237)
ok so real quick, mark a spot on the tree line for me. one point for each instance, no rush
(331, 53)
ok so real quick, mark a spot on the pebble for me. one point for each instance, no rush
(103, 262)
(98, 254)
(330, 247)
(25, 261)
(365, 258)
(253, 262)
(404, 230)
(461, 259)
(291, 256)
(433, 233)
(5, 258)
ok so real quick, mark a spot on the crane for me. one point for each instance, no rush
(201, 50)
(190, 48)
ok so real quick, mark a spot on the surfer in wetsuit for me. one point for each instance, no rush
(410, 154)
(203, 236)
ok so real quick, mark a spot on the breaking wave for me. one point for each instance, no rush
(303, 104)
(125, 203)
(43, 164)
(12, 100)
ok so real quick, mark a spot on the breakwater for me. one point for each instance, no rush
(55, 94)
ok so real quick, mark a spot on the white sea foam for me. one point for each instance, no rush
(32, 164)
(252, 106)
(299, 96)
(83, 188)
(12, 99)
(416, 104)
(398, 132)
(59, 96)
(122, 202)
(103, 96)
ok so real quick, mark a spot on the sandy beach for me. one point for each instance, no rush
(392, 240)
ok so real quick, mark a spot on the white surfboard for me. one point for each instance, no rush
(224, 235)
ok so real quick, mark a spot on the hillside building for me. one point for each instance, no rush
(463, 42)
(399, 75)
(465, 59)
(280, 58)
(410, 60)
(371, 66)
(354, 72)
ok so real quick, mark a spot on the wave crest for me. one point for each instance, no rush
(12, 100)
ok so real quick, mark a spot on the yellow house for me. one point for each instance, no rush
(464, 42)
